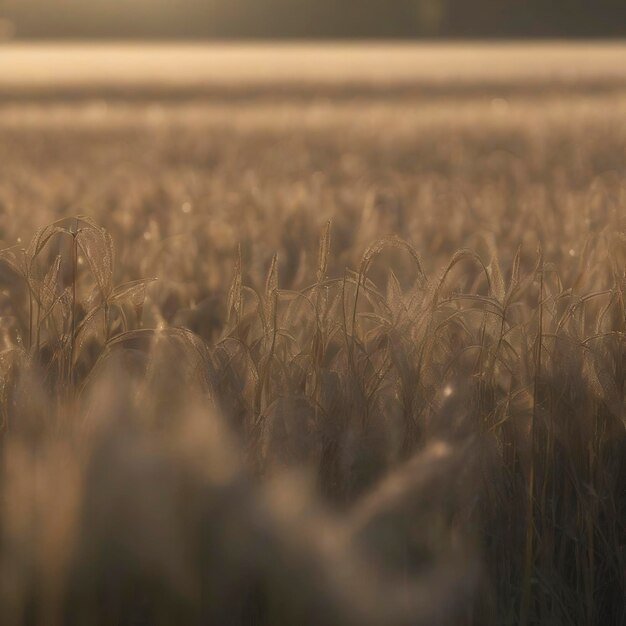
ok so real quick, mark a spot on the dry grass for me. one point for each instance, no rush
(379, 378)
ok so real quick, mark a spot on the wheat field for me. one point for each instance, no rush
(339, 347)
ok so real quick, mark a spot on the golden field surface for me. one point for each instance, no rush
(306, 334)
(55, 64)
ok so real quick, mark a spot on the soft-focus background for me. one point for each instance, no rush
(309, 331)
(315, 18)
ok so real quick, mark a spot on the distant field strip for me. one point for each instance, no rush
(56, 65)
